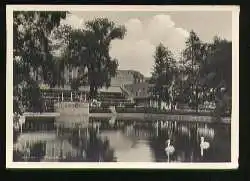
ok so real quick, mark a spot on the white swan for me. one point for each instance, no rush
(22, 120)
(170, 148)
(204, 145)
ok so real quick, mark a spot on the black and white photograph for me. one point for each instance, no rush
(122, 86)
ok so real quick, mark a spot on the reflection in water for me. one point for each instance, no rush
(110, 140)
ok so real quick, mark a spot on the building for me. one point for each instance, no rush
(124, 77)
(126, 87)
(141, 94)
(115, 95)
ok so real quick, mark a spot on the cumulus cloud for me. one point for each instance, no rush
(137, 49)
(74, 21)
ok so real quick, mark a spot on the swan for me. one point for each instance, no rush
(204, 145)
(22, 120)
(170, 148)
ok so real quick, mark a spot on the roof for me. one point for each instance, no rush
(115, 89)
(134, 71)
(111, 89)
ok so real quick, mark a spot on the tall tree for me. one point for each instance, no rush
(218, 75)
(90, 48)
(31, 50)
(193, 56)
(162, 75)
(60, 37)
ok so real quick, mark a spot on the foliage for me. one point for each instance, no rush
(218, 75)
(193, 57)
(75, 84)
(44, 49)
(163, 74)
(32, 53)
(89, 48)
(60, 40)
(203, 74)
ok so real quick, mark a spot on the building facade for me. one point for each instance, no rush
(141, 94)
(116, 94)
(124, 77)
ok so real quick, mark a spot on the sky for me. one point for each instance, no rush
(145, 30)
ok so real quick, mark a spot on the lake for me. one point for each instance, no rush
(111, 140)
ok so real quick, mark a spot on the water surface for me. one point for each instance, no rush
(110, 140)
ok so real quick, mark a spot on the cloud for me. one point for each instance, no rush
(74, 21)
(137, 49)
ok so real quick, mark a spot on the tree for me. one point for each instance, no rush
(218, 75)
(193, 57)
(75, 84)
(176, 87)
(90, 48)
(32, 51)
(219, 66)
(162, 75)
(61, 37)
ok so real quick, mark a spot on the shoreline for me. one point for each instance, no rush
(140, 116)
(166, 117)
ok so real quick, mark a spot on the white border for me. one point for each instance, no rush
(136, 165)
